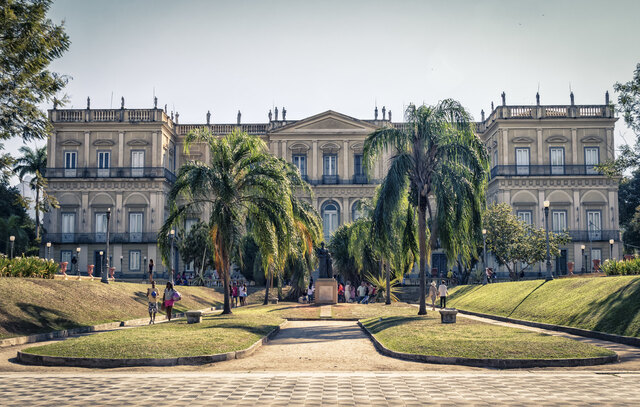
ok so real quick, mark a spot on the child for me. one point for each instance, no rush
(152, 296)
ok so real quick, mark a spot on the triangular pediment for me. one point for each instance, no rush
(328, 122)
(70, 143)
(104, 142)
(138, 143)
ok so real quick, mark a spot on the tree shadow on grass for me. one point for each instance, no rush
(525, 298)
(615, 313)
(47, 320)
(381, 324)
(464, 290)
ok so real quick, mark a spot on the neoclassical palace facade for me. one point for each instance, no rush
(123, 162)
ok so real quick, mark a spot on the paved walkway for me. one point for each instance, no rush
(323, 389)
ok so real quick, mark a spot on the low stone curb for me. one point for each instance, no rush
(41, 360)
(322, 319)
(625, 340)
(21, 340)
(493, 363)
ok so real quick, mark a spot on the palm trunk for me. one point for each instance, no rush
(422, 243)
(388, 275)
(227, 283)
(37, 213)
(280, 285)
(266, 291)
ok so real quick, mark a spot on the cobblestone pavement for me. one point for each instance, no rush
(323, 389)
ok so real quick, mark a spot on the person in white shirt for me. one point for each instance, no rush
(442, 290)
(362, 292)
(347, 292)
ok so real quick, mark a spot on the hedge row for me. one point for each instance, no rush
(621, 267)
(27, 267)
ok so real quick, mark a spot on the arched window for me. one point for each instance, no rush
(356, 213)
(330, 218)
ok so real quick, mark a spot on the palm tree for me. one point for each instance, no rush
(442, 165)
(34, 162)
(242, 184)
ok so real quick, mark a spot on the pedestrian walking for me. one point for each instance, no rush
(442, 290)
(347, 292)
(167, 299)
(152, 297)
(234, 294)
(310, 292)
(362, 293)
(245, 293)
(150, 270)
(433, 293)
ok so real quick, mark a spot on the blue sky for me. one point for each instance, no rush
(311, 56)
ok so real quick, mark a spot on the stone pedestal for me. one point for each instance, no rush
(448, 315)
(194, 317)
(326, 291)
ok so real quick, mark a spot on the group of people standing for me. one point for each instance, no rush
(238, 291)
(363, 294)
(441, 291)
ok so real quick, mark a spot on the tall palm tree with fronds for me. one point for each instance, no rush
(241, 184)
(442, 165)
(34, 162)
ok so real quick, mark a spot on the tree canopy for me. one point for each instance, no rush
(30, 42)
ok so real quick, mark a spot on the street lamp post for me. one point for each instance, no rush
(49, 251)
(173, 235)
(105, 273)
(610, 249)
(121, 270)
(102, 272)
(485, 280)
(12, 239)
(546, 226)
(584, 259)
(78, 260)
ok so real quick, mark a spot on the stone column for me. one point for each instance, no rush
(87, 160)
(539, 209)
(314, 164)
(574, 146)
(84, 215)
(505, 150)
(346, 216)
(540, 154)
(51, 151)
(121, 149)
(346, 171)
(154, 149)
(119, 221)
(283, 149)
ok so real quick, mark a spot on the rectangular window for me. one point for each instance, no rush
(559, 221)
(70, 163)
(525, 216)
(68, 227)
(135, 226)
(594, 225)
(557, 160)
(522, 161)
(188, 224)
(65, 255)
(137, 163)
(101, 227)
(300, 161)
(134, 260)
(591, 159)
(596, 254)
(357, 165)
(104, 163)
(330, 164)
(495, 157)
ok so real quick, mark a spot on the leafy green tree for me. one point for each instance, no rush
(34, 162)
(195, 246)
(29, 42)
(13, 226)
(242, 184)
(442, 165)
(512, 241)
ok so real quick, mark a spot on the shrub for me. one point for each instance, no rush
(27, 267)
(621, 267)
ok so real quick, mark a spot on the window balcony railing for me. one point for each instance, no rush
(330, 179)
(543, 170)
(114, 172)
(594, 235)
(99, 238)
(360, 179)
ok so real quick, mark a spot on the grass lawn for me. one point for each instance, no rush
(216, 334)
(360, 311)
(29, 305)
(473, 339)
(605, 304)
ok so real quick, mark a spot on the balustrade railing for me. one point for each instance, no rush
(114, 172)
(98, 237)
(594, 235)
(543, 170)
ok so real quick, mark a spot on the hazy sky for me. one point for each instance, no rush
(310, 56)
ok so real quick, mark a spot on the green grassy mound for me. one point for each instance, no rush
(607, 304)
(29, 306)
(216, 334)
(473, 339)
